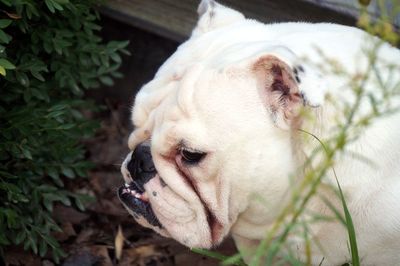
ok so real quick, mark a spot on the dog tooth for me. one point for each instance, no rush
(133, 192)
(126, 185)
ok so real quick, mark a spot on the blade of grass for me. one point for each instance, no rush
(233, 260)
(349, 221)
(355, 259)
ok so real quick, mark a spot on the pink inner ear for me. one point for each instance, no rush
(278, 86)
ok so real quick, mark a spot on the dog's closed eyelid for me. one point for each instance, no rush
(191, 157)
(187, 159)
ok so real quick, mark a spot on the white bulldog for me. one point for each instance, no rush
(219, 137)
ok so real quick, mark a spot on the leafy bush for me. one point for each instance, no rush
(50, 53)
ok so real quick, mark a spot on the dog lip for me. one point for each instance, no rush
(137, 202)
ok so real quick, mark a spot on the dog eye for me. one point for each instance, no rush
(191, 157)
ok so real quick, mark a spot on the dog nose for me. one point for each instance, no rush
(142, 160)
(141, 166)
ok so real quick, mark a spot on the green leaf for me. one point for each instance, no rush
(51, 241)
(50, 197)
(33, 244)
(50, 6)
(68, 172)
(4, 23)
(125, 51)
(65, 200)
(22, 78)
(53, 173)
(4, 37)
(79, 204)
(27, 153)
(57, 5)
(62, 2)
(37, 75)
(117, 74)
(47, 188)
(42, 248)
(20, 237)
(2, 71)
(66, 126)
(48, 203)
(6, 64)
(106, 80)
(57, 254)
(27, 244)
(116, 57)
(40, 94)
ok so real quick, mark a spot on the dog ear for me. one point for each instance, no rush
(213, 15)
(286, 82)
(279, 89)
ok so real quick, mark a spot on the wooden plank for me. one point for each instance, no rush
(353, 8)
(168, 18)
(175, 19)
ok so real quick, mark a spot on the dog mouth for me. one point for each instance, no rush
(137, 172)
(136, 201)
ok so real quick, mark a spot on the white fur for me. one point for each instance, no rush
(206, 95)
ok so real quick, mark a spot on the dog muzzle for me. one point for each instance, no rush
(133, 195)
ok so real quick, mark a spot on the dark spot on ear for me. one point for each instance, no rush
(279, 86)
(154, 193)
(301, 68)
(295, 71)
(276, 70)
(297, 79)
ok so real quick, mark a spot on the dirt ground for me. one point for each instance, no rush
(89, 238)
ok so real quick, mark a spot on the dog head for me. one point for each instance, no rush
(214, 129)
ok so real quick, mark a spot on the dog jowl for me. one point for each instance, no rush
(217, 129)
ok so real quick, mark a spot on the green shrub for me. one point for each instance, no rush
(50, 53)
